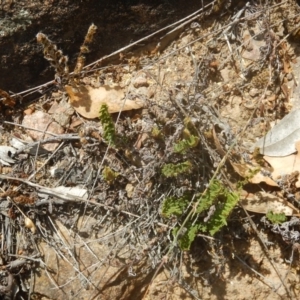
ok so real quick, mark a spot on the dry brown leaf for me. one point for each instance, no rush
(217, 143)
(252, 47)
(263, 203)
(245, 170)
(259, 177)
(87, 100)
(285, 165)
(8, 100)
(285, 90)
(142, 137)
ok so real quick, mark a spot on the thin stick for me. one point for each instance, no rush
(72, 198)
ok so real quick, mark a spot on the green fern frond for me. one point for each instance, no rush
(173, 170)
(174, 206)
(223, 210)
(214, 191)
(276, 218)
(186, 144)
(185, 240)
(109, 133)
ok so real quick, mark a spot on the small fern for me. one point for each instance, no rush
(109, 175)
(276, 218)
(218, 195)
(222, 212)
(156, 133)
(109, 133)
(174, 206)
(173, 170)
(186, 238)
(186, 144)
(215, 190)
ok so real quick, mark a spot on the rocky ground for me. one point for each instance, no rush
(161, 194)
(22, 63)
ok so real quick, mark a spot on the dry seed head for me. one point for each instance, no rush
(84, 49)
(63, 60)
(90, 34)
(41, 38)
(56, 58)
(66, 69)
(80, 64)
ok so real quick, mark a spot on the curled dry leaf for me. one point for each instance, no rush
(129, 189)
(87, 100)
(5, 155)
(217, 143)
(30, 225)
(263, 202)
(285, 165)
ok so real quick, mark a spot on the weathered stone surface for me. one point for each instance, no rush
(42, 123)
(22, 64)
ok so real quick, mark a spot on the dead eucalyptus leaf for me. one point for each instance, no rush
(245, 170)
(285, 165)
(259, 177)
(281, 139)
(263, 202)
(87, 100)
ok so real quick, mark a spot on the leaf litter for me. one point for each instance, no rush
(98, 200)
(87, 100)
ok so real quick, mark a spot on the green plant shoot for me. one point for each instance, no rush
(109, 175)
(174, 206)
(173, 170)
(276, 218)
(109, 133)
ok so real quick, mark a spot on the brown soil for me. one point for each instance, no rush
(211, 79)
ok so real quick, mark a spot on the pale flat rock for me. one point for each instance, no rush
(61, 112)
(43, 123)
(141, 81)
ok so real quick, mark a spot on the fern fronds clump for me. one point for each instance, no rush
(217, 204)
(186, 144)
(222, 212)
